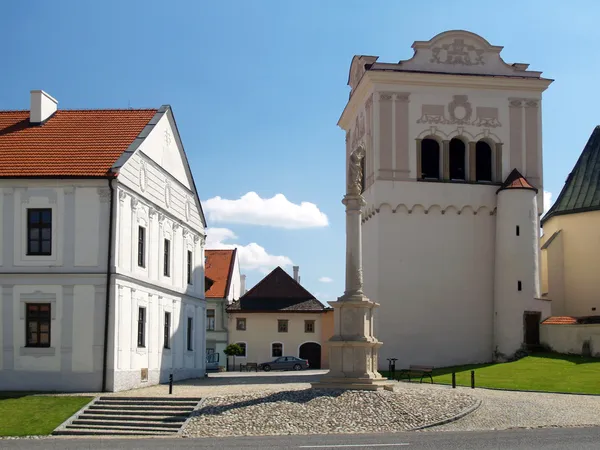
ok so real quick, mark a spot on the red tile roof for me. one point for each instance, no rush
(71, 143)
(219, 268)
(516, 181)
(560, 320)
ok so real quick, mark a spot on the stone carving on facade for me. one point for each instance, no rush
(359, 130)
(104, 194)
(168, 138)
(176, 226)
(402, 97)
(486, 117)
(355, 171)
(532, 103)
(458, 53)
(385, 96)
(202, 240)
(187, 208)
(433, 114)
(143, 176)
(134, 204)
(8, 191)
(168, 194)
(515, 102)
(460, 112)
(152, 212)
(122, 196)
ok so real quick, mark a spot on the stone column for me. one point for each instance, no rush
(353, 348)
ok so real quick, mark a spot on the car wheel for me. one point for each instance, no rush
(266, 368)
(297, 367)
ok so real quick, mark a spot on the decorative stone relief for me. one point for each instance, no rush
(385, 96)
(369, 101)
(168, 194)
(122, 196)
(176, 226)
(486, 117)
(134, 204)
(143, 176)
(168, 138)
(532, 103)
(402, 97)
(515, 102)
(359, 130)
(152, 212)
(460, 112)
(458, 53)
(202, 240)
(188, 209)
(104, 194)
(8, 191)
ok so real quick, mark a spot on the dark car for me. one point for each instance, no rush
(284, 363)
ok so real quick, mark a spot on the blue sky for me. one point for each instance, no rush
(257, 88)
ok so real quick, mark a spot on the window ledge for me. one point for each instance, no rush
(37, 351)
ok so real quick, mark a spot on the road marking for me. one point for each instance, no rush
(355, 445)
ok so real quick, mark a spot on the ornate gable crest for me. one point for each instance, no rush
(460, 51)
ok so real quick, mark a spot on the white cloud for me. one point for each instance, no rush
(252, 256)
(276, 211)
(325, 280)
(547, 201)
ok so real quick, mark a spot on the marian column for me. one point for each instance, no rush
(353, 347)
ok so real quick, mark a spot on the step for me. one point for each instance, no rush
(165, 409)
(151, 399)
(148, 412)
(127, 423)
(122, 428)
(129, 418)
(150, 403)
(88, 432)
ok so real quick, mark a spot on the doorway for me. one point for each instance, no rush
(531, 322)
(311, 351)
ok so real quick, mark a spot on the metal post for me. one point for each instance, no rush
(453, 380)
(392, 368)
(170, 383)
(472, 379)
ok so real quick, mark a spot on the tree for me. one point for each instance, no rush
(234, 350)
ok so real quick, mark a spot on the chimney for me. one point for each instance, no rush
(242, 285)
(296, 277)
(42, 107)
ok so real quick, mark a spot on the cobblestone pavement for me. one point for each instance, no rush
(499, 410)
(502, 410)
(324, 411)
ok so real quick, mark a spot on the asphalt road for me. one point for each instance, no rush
(538, 439)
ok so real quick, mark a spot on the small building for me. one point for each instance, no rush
(223, 271)
(570, 258)
(102, 250)
(279, 317)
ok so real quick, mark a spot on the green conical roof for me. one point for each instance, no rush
(581, 191)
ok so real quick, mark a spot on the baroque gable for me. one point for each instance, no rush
(459, 51)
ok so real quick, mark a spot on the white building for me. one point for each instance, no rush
(449, 251)
(101, 257)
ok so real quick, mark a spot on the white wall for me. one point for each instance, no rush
(569, 339)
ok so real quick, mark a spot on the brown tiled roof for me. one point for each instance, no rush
(277, 292)
(516, 181)
(71, 143)
(219, 268)
(560, 320)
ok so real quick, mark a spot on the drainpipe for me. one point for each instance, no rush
(108, 281)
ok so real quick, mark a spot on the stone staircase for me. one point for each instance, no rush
(130, 416)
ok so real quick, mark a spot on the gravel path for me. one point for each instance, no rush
(311, 411)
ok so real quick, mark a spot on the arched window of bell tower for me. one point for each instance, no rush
(483, 161)
(457, 159)
(430, 159)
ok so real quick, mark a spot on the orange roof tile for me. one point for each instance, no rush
(71, 143)
(516, 181)
(560, 320)
(219, 268)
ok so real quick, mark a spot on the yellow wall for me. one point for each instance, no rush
(571, 264)
(261, 331)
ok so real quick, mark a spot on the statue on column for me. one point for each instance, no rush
(355, 175)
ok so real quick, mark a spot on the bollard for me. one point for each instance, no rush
(392, 368)
(472, 379)
(171, 384)
(453, 380)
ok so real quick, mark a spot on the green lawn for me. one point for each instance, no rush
(24, 414)
(539, 372)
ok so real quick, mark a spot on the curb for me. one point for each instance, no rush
(190, 417)
(460, 415)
